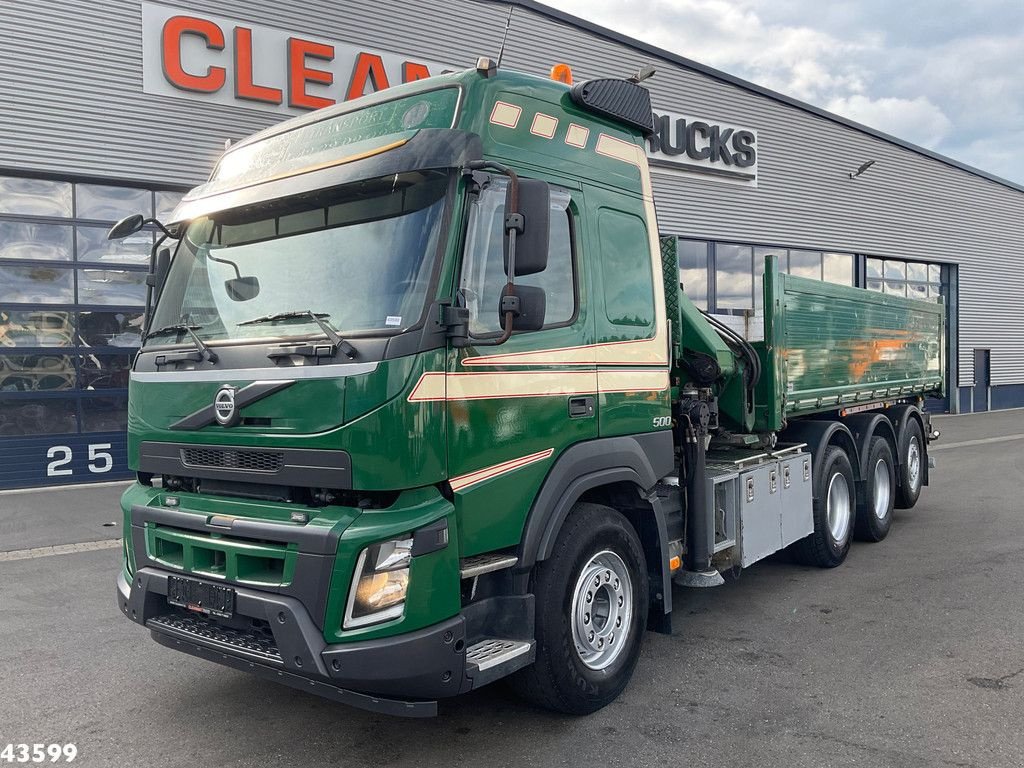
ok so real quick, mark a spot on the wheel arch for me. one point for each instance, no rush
(620, 472)
(819, 435)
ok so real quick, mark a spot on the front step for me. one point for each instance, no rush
(478, 565)
(492, 658)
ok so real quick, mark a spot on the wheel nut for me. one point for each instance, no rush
(586, 618)
(600, 643)
(611, 639)
(618, 622)
(590, 596)
(607, 576)
(597, 581)
(620, 601)
(590, 637)
(615, 584)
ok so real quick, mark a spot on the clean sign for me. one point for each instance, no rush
(217, 59)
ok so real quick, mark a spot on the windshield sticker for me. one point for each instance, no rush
(392, 321)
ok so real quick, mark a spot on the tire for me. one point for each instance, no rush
(911, 466)
(595, 542)
(834, 491)
(874, 515)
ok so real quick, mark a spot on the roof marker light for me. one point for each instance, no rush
(562, 73)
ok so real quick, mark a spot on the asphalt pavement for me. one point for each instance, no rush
(910, 654)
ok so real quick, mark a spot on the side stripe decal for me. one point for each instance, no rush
(487, 473)
(436, 386)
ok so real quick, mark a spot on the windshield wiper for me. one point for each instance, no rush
(205, 353)
(316, 317)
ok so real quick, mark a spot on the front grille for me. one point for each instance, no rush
(233, 458)
(257, 641)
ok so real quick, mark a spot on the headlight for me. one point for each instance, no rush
(381, 580)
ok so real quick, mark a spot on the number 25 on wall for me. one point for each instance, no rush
(100, 460)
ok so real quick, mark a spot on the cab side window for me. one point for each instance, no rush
(483, 270)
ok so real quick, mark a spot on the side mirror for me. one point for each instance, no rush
(242, 288)
(129, 225)
(532, 237)
(532, 303)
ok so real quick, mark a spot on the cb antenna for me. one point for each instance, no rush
(504, 37)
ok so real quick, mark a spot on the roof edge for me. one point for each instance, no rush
(759, 90)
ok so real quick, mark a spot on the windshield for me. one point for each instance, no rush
(360, 256)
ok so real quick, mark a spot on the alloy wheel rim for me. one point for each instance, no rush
(883, 489)
(602, 609)
(838, 507)
(914, 462)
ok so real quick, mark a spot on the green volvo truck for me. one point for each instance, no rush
(423, 405)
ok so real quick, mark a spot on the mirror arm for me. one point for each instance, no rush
(513, 226)
(148, 316)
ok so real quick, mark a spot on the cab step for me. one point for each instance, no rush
(478, 565)
(492, 658)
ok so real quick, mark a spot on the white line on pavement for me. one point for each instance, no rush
(60, 549)
(983, 441)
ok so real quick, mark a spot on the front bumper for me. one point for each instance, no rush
(400, 675)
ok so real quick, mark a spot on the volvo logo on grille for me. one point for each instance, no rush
(224, 408)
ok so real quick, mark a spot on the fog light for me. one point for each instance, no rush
(381, 579)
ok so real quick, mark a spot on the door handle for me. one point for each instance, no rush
(581, 407)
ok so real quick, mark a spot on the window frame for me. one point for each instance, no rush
(572, 212)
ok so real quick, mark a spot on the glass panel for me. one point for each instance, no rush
(895, 270)
(104, 414)
(917, 290)
(894, 288)
(838, 268)
(693, 271)
(483, 272)
(111, 286)
(874, 268)
(874, 285)
(95, 201)
(734, 276)
(805, 264)
(166, 202)
(35, 328)
(917, 271)
(934, 273)
(36, 373)
(104, 371)
(94, 246)
(25, 240)
(626, 269)
(36, 285)
(934, 292)
(110, 329)
(35, 197)
(52, 416)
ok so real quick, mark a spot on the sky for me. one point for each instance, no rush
(948, 76)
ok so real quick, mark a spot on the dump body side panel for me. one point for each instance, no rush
(828, 346)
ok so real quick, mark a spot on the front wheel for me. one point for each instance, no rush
(592, 599)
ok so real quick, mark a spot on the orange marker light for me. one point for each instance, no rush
(562, 73)
(675, 563)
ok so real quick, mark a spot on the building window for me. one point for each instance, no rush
(734, 276)
(71, 303)
(914, 279)
(693, 270)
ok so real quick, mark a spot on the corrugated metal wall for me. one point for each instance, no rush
(72, 103)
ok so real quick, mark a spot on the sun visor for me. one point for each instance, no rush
(396, 153)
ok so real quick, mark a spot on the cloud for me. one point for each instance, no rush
(916, 120)
(949, 80)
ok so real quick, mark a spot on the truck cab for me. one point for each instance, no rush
(417, 409)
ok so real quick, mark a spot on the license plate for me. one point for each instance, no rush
(209, 599)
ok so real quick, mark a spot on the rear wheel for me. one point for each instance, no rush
(591, 613)
(911, 465)
(874, 516)
(834, 509)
